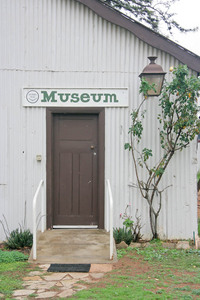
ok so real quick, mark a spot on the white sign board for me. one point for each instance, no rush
(72, 97)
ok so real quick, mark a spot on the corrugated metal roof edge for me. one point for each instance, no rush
(144, 33)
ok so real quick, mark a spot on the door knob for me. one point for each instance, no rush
(92, 147)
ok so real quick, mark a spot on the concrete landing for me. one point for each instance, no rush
(68, 246)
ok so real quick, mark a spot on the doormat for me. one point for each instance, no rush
(69, 268)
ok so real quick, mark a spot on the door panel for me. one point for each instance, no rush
(75, 169)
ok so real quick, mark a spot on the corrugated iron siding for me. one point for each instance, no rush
(61, 43)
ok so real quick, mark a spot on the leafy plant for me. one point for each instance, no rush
(198, 176)
(131, 230)
(196, 292)
(12, 256)
(121, 253)
(118, 235)
(178, 127)
(128, 237)
(132, 227)
(19, 239)
(122, 234)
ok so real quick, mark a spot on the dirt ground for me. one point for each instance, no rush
(25, 250)
(133, 267)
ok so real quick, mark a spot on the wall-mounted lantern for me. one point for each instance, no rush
(153, 73)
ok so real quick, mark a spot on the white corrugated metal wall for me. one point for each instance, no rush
(61, 43)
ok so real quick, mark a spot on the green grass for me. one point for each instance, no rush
(12, 256)
(12, 269)
(11, 276)
(160, 274)
(167, 274)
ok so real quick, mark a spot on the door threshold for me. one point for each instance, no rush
(75, 226)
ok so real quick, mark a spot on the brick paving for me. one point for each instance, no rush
(47, 285)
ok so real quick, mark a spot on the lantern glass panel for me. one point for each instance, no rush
(156, 79)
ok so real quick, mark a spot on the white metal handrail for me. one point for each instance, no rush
(110, 199)
(35, 216)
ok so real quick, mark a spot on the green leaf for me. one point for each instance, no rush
(146, 153)
(127, 146)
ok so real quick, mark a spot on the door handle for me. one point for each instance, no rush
(92, 147)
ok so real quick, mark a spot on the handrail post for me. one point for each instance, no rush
(35, 218)
(42, 211)
(111, 229)
(109, 192)
(34, 231)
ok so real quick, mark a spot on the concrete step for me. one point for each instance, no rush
(73, 246)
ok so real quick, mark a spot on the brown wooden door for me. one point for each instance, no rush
(75, 169)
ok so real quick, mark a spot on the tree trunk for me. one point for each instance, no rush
(151, 217)
(156, 225)
(153, 222)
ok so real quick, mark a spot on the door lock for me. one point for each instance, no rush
(92, 147)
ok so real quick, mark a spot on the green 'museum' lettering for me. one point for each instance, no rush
(66, 97)
(110, 97)
(75, 98)
(54, 96)
(94, 97)
(47, 98)
(85, 97)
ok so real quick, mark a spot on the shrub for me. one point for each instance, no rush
(118, 235)
(122, 234)
(128, 237)
(199, 227)
(132, 228)
(19, 239)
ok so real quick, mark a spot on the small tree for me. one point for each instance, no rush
(152, 13)
(179, 125)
